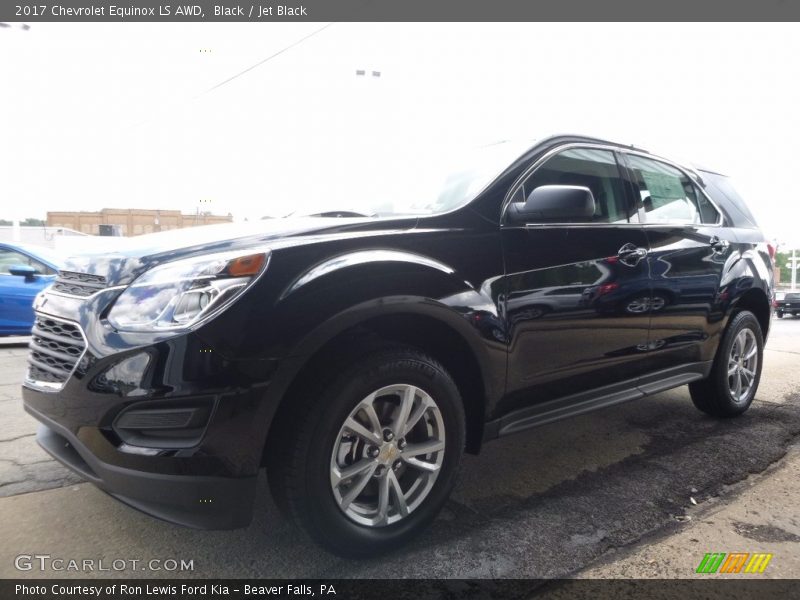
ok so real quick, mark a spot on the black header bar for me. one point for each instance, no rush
(32, 11)
(708, 587)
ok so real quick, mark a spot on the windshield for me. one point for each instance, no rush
(414, 182)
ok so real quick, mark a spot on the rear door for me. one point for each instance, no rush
(688, 251)
(569, 284)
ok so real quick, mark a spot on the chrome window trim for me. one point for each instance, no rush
(49, 386)
(519, 181)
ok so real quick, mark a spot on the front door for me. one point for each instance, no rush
(577, 292)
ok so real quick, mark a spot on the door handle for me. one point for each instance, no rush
(718, 245)
(631, 254)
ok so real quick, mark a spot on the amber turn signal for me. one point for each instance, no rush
(246, 266)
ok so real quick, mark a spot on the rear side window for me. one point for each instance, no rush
(668, 195)
(595, 169)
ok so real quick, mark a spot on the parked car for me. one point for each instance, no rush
(25, 270)
(357, 358)
(787, 303)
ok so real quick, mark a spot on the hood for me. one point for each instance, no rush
(127, 258)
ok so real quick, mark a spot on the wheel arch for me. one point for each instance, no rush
(419, 322)
(754, 300)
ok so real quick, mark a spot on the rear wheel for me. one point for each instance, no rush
(372, 452)
(730, 388)
(780, 314)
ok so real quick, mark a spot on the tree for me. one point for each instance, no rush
(29, 222)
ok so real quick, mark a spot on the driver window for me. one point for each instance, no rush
(594, 169)
(9, 258)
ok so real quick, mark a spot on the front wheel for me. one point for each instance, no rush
(730, 388)
(374, 452)
(780, 314)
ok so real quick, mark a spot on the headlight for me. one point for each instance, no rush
(178, 294)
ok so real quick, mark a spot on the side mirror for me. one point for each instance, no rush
(25, 271)
(554, 202)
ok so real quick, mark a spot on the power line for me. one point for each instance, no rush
(240, 73)
(267, 59)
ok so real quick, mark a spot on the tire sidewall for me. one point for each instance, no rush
(326, 518)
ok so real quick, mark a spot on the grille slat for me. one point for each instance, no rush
(78, 284)
(45, 367)
(63, 339)
(56, 347)
(66, 358)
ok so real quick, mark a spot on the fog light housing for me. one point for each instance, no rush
(164, 425)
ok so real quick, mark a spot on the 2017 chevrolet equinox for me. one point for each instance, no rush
(356, 354)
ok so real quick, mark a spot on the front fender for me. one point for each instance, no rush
(363, 258)
(345, 291)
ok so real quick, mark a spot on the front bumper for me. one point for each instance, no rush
(190, 500)
(117, 417)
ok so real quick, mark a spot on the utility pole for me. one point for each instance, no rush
(793, 267)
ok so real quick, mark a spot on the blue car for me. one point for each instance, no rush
(25, 271)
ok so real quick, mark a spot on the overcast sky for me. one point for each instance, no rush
(120, 115)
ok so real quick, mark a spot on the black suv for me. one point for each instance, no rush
(358, 357)
(787, 303)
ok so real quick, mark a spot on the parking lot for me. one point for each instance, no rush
(643, 489)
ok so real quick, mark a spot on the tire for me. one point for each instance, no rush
(308, 466)
(717, 395)
(780, 314)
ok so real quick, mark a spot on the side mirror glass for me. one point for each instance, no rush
(554, 203)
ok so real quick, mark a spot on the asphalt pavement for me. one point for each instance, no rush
(615, 493)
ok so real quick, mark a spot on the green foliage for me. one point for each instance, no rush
(29, 222)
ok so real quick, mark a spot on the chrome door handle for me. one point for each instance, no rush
(718, 245)
(630, 254)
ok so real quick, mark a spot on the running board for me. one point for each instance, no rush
(578, 404)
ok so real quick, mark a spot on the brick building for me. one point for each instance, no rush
(131, 221)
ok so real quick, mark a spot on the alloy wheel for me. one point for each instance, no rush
(387, 455)
(742, 365)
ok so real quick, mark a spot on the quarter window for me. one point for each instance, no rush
(588, 167)
(668, 195)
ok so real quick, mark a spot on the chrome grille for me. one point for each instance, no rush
(56, 346)
(78, 284)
